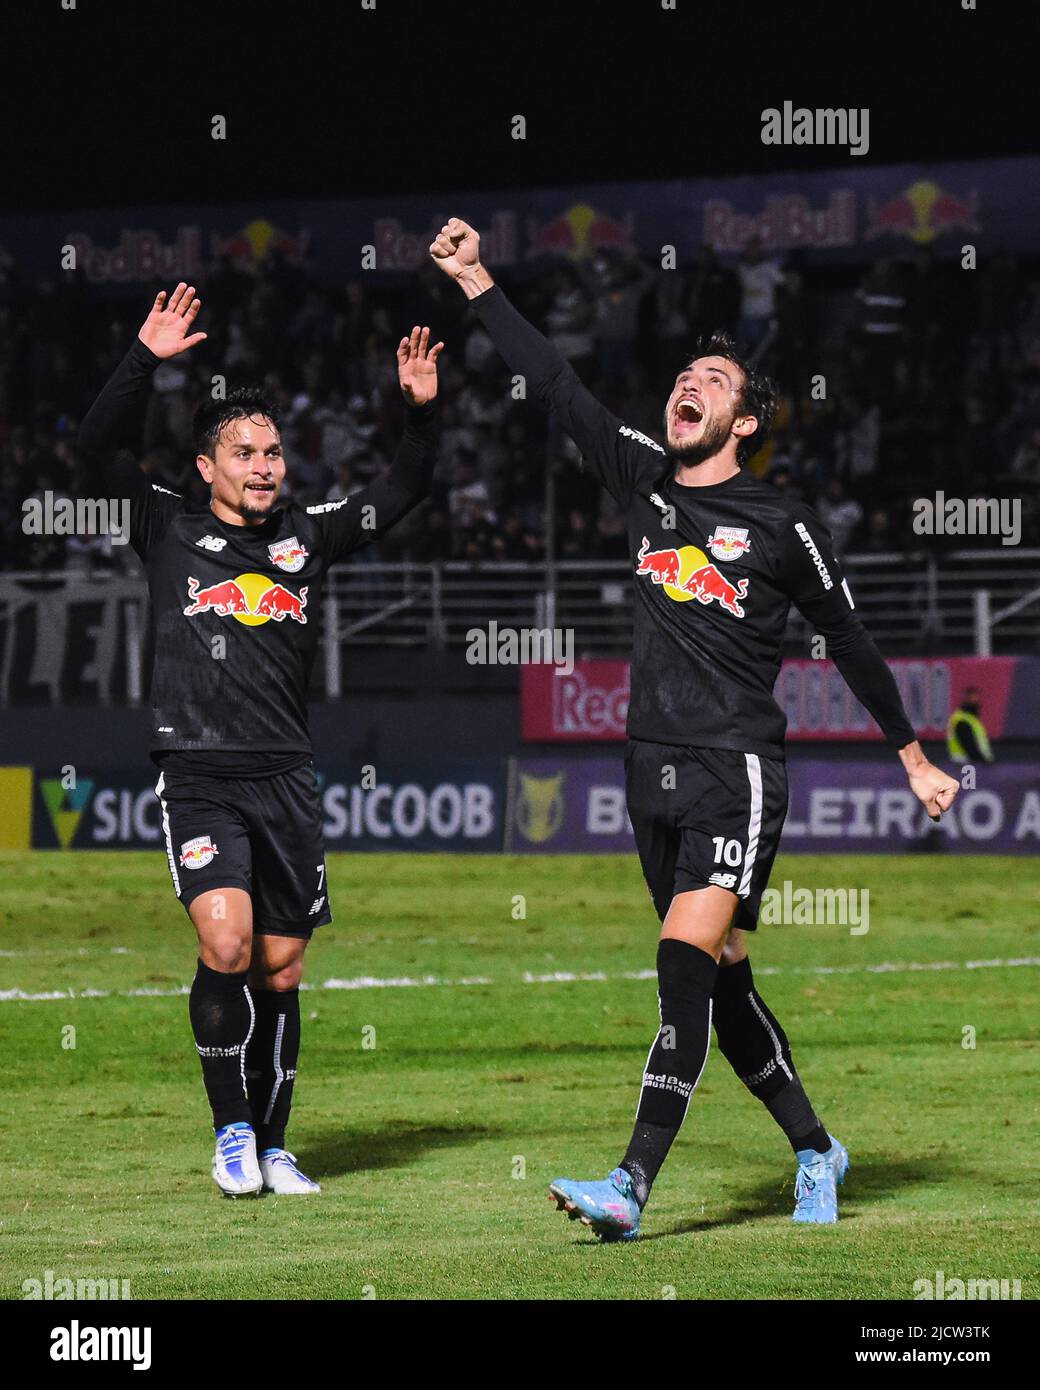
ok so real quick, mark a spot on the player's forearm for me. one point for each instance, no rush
(113, 422)
(411, 470)
(474, 281)
(528, 353)
(867, 675)
(912, 756)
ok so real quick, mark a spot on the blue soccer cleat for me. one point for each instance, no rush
(235, 1169)
(816, 1186)
(608, 1206)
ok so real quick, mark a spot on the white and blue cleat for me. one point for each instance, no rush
(608, 1207)
(235, 1169)
(816, 1186)
(281, 1175)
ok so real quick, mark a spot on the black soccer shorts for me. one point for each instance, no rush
(262, 835)
(705, 816)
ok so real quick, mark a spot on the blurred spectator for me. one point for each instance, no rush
(714, 295)
(941, 389)
(840, 514)
(569, 320)
(619, 284)
(760, 277)
(346, 484)
(882, 304)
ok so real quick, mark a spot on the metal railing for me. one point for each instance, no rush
(909, 602)
(969, 601)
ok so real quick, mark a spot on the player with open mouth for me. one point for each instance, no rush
(706, 784)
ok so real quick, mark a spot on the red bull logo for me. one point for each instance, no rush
(729, 542)
(251, 598)
(288, 555)
(197, 853)
(686, 573)
(252, 243)
(224, 598)
(580, 231)
(921, 212)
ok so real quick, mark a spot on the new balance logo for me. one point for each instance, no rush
(211, 542)
(659, 502)
(723, 880)
(630, 433)
(316, 906)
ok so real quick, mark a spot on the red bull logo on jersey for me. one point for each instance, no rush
(729, 542)
(197, 853)
(685, 573)
(288, 555)
(250, 598)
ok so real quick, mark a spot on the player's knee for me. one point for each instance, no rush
(227, 951)
(278, 978)
(735, 949)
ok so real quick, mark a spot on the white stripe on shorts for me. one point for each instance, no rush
(754, 772)
(160, 787)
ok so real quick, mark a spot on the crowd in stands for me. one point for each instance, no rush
(899, 379)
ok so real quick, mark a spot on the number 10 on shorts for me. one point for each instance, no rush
(727, 851)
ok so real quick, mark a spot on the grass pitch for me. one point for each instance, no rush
(434, 1146)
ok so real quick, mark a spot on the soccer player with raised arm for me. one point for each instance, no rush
(235, 590)
(718, 557)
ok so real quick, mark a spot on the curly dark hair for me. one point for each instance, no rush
(244, 403)
(759, 394)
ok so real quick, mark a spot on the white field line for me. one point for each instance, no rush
(556, 977)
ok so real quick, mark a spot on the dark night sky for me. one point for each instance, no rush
(110, 104)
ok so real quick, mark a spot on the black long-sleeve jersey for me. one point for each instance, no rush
(235, 610)
(715, 568)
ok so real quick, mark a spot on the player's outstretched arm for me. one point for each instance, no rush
(366, 515)
(866, 673)
(113, 422)
(530, 355)
(810, 573)
(407, 480)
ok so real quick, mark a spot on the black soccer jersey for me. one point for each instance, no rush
(235, 610)
(715, 569)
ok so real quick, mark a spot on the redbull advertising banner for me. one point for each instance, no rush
(848, 212)
(450, 807)
(570, 805)
(590, 704)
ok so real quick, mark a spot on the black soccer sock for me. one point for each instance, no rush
(221, 1013)
(271, 1060)
(757, 1049)
(686, 978)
